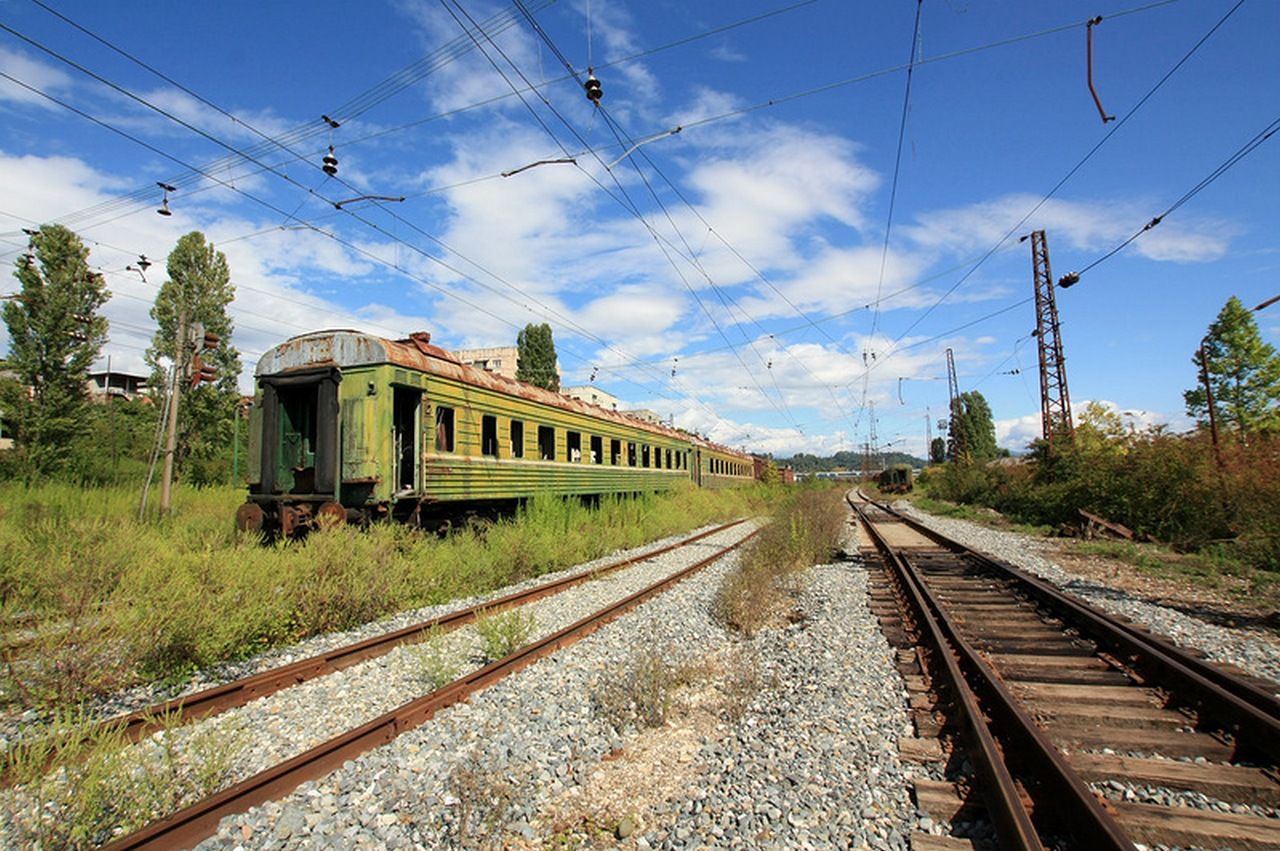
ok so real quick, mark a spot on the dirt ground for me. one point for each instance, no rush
(1226, 601)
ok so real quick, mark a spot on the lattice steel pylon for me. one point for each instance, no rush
(959, 444)
(1055, 401)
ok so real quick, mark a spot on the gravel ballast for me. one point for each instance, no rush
(809, 761)
(787, 740)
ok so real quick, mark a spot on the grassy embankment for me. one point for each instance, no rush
(103, 601)
(1217, 569)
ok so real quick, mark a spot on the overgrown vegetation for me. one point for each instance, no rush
(92, 602)
(642, 690)
(1170, 488)
(103, 785)
(806, 529)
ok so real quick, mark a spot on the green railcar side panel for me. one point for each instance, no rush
(254, 474)
(467, 474)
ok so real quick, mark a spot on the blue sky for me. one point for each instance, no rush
(841, 204)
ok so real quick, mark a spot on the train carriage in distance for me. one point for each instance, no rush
(356, 428)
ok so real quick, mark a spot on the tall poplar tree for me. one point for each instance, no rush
(973, 431)
(55, 335)
(197, 293)
(536, 357)
(1244, 374)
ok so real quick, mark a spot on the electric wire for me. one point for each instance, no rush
(1242, 152)
(1114, 128)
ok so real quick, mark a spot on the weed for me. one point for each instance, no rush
(503, 633)
(806, 529)
(643, 691)
(740, 684)
(439, 663)
(489, 795)
(117, 600)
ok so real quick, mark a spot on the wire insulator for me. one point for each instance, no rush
(594, 91)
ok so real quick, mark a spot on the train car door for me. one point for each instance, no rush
(697, 467)
(300, 433)
(407, 403)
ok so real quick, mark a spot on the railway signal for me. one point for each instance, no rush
(202, 340)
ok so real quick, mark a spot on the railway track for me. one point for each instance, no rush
(201, 818)
(1083, 731)
(221, 698)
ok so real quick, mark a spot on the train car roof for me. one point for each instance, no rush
(343, 349)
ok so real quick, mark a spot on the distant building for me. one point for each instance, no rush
(118, 384)
(645, 416)
(500, 359)
(592, 395)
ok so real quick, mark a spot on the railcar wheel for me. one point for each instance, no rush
(331, 514)
(290, 521)
(250, 517)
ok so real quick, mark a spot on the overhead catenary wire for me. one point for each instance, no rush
(1114, 128)
(1243, 151)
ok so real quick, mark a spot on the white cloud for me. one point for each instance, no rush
(38, 76)
(1094, 226)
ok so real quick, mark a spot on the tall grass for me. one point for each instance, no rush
(807, 527)
(93, 600)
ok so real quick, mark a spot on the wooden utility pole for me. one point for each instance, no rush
(171, 433)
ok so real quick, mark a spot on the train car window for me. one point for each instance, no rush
(444, 429)
(668, 459)
(573, 445)
(615, 451)
(547, 442)
(631, 454)
(517, 439)
(644, 456)
(489, 435)
(597, 449)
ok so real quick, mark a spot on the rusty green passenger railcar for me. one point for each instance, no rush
(354, 427)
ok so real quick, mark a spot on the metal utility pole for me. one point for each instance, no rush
(1055, 401)
(874, 460)
(959, 444)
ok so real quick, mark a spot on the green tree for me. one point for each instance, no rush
(937, 450)
(195, 298)
(536, 358)
(973, 431)
(1244, 373)
(55, 335)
